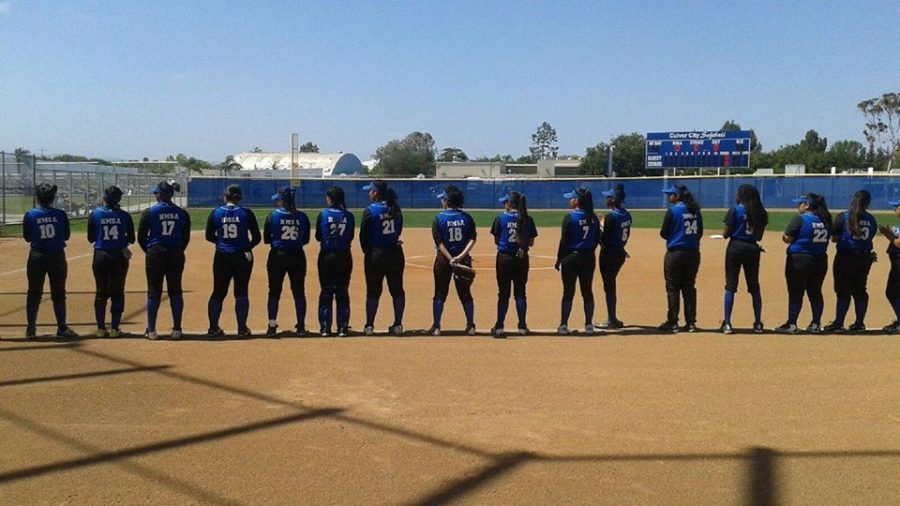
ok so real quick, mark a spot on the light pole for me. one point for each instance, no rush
(609, 162)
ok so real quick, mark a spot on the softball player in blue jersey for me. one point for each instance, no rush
(613, 239)
(852, 232)
(892, 290)
(287, 230)
(46, 229)
(744, 227)
(806, 263)
(111, 229)
(514, 234)
(235, 232)
(379, 236)
(164, 232)
(453, 231)
(682, 229)
(575, 258)
(334, 230)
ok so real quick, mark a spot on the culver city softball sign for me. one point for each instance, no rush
(708, 149)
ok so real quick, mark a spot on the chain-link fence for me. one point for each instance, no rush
(80, 186)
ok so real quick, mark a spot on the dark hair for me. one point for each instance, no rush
(112, 196)
(455, 197)
(388, 195)
(518, 202)
(684, 195)
(619, 195)
(818, 207)
(45, 193)
(586, 203)
(757, 216)
(288, 199)
(860, 203)
(233, 193)
(167, 189)
(336, 194)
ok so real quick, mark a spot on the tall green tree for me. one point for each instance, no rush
(882, 129)
(733, 126)
(453, 155)
(413, 155)
(543, 142)
(309, 147)
(846, 155)
(813, 142)
(22, 155)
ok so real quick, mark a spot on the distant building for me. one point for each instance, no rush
(309, 164)
(544, 168)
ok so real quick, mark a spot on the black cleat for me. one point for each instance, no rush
(300, 331)
(498, 332)
(325, 331)
(893, 328)
(30, 332)
(690, 327)
(470, 330)
(833, 328)
(434, 331)
(787, 328)
(245, 333)
(857, 328)
(272, 331)
(758, 328)
(343, 332)
(215, 332)
(669, 327)
(66, 333)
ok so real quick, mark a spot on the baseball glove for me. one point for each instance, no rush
(463, 273)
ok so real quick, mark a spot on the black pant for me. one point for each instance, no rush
(335, 268)
(384, 263)
(851, 273)
(228, 266)
(805, 273)
(511, 270)
(742, 255)
(291, 263)
(611, 262)
(892, 290)
(442, 274)
(162, 263)
(681, 268)
(578, 266)
(43, 264)
(110, 269)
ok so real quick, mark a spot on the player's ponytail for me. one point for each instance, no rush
(390, 198)
(757, 216)
(586, 203)
(336, 194)
(860, 203)
(818, 206)
(289, 199)
(684, 195)
(45, 193)
(619, 195)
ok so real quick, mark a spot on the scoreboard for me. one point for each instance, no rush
(685, 150)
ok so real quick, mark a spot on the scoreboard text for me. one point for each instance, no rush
(684, 150)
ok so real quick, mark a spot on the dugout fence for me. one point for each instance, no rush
(642, 193)
(80, 186)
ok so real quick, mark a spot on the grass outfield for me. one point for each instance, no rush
(419, 218)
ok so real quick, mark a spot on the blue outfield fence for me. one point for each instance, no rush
(642, 193)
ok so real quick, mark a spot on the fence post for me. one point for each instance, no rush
(3, 164)
(33, 179)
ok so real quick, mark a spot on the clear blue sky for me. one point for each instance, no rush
(209, 78)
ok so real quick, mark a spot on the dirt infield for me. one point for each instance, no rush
(622, 418)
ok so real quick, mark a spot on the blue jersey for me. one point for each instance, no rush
(580, 231)
(286, 230)
(682, 228)
(506, 230)
(893, 250)
(809, 233)
(616, 229)
(453, 228)
(378, 228)
(233, 228)
(164, 224)
(335, 228)
(741, 230)
(46, 228)
(846, 241)
(110, 229)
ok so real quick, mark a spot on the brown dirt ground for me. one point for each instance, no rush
(630, 417)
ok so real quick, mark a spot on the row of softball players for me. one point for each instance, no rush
(164, 233)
